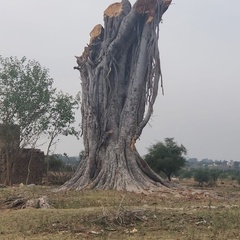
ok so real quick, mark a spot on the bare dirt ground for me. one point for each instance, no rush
(36, 212)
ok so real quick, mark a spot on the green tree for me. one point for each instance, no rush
(167, 157)
(29, 101)
(185, 174)
(60, 120)
(202, 176)
(208, 176)
(61, 117)
(25, 94)
(214, 175)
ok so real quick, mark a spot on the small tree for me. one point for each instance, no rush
(60, 120)
(166, 157)
(214, 175)
(202, 176)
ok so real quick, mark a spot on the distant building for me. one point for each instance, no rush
(9, 136)
(230, 163)
(16, 164)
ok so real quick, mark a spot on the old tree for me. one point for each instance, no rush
(120, 73)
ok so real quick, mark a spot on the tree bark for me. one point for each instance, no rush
(120, 72)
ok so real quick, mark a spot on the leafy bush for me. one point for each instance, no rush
(214, 175)
(55, 164)
(185, 174)
(201, 176)
(204, 175)
(224, 175)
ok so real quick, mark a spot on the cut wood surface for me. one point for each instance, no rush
(113, 10)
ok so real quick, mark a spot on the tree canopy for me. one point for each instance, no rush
(31, 108)
(167, 157)
(29, 100)
(25, 95)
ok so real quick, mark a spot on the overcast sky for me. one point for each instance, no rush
(200, 59)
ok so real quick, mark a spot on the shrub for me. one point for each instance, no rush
(185, 174)
(201, 176)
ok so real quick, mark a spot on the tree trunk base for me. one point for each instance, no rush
(121, 171)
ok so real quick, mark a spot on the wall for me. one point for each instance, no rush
(19, 158)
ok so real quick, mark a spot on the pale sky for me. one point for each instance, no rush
(200, 50)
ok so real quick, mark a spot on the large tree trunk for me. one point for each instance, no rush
(120, 72)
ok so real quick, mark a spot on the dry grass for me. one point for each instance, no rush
(119, 215)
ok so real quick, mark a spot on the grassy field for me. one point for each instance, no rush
(186, 215)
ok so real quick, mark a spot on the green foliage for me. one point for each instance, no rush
(71, 161)
(224, 175)
(59, 171)
(166, 157)
(55, 164)
(214, 175)
(61, 117)
(25, 93)
(185, 174)
(208, 176)
(201, 176)
(28, 99)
